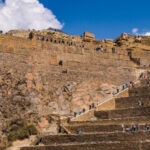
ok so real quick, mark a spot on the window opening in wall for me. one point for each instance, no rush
(60, 63)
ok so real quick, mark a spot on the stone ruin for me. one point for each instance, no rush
(88, 35)
(57, 74)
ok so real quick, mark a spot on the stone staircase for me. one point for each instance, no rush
(112, 128)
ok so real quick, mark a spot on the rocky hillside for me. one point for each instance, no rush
(58, 74)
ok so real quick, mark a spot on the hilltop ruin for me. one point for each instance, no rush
(54, 73)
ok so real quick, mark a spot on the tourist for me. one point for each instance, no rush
(132, 84)
(117, 90)
(90, 107)
(138, 127)
(75, 114)
(128, 128)
(146, 127)
(80, 113)
(123, 87)
(93, 105)
(79, 132)
(134, 127)
(141, 75)
(127, 84)
(84, 110)
(148, 83)
(68, 120)
(123, 128)
(59, 129)
(140, 104)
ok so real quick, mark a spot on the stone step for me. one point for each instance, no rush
(123, 113)
(144, 82)
(103, 128)
(95, 146)
(141, 91)
(95, 137)
(132, 102)
(145, 146)
(113, 121)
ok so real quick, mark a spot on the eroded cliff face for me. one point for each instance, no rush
(40, 77)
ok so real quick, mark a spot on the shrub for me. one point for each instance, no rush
(31, 129)
(31, 35)
(22, 133)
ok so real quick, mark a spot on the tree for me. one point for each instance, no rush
(31, 35)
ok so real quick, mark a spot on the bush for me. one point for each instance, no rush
(32, 130)
(31, 35)
(22, 133)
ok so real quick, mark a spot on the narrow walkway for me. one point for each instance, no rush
(122, 88)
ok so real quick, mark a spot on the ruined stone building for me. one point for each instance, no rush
(57, 74)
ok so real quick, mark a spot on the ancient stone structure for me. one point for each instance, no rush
(88, 35)
(57, 74)
(126, 127)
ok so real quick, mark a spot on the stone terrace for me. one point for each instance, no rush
(58, 74)
(107, 132)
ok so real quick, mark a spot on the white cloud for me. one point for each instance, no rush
(147, 34)
(26, 14)
(135, 30)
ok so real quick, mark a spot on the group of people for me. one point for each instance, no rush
(124, 86)
(133, 128)
(92, 106)
(144, 75)
(101, 49)
(140, 104)
(131, 83)
(81, 112)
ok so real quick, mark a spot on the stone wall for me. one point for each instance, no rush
(97, 146)
(49, 76)
(39, 62)
(132, 102)
(88, 35)
(123, 113)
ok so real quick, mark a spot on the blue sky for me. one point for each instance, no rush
(104, 18)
